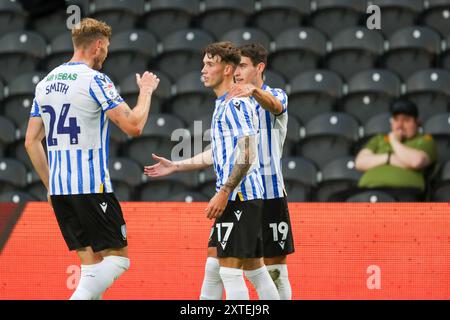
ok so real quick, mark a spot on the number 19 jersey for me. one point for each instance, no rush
(72, 100)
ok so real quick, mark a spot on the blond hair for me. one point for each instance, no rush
(89, 30)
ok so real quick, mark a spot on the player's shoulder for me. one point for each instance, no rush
(274, 91)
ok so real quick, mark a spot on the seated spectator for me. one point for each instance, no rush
(396, 163)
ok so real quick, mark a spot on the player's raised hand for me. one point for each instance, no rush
(164, 167)
(148, 81)
(240, 90)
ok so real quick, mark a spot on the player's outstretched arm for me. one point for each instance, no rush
(165, 167)
(243, 162)
(132, 122)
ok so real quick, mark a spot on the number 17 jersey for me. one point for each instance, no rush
(72, 100)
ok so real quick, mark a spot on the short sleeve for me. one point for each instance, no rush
(282, 96)
(35, 109)
(428, 145)
(104, 92)
(239, 117)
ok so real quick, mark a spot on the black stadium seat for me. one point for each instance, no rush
(436, 14)
(328, 136)
(333, 16)
(273, 79)
(128, 55)
(370, 93)
(276, 16)
(314, 92)
(7, 134)
(167, 16)
(354, 50)
(243, 36)
(13, 174)
(439, 127)
(441, 192)
(378, 124)
(120, 15)
(20, 52)
(12, 16)
(430, 90)
(297, 50)
(411, 49)
(125, 175)
(17, 104)
(16, 196)
(182, 52)
(397, 14)
(61, 50)
(219, 16)
(300, 178)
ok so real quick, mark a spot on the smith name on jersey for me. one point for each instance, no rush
(72, 100)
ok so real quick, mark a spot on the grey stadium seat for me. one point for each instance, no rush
(378, 124)
(273, 79)
(7, 134)
(120, 15)
(445, 55)
(430, 91)
(439, 127)
(297, 50)
(436, 14)
(167, 16)
(243, 36)
(370, 92)
(411, 49)
(128, 55)
(20, 52)
(182, 52)
(328, 136)
(276, 16)
(207, 181)
(125, 175)
(16, 196)
(61, 50)
(314, 92)
(338, 175)
(333, 16)
(219, 16)
(300, 178)
(354, 50)
(161, 189)
(12, 16)
(13, 174)
(441, 192)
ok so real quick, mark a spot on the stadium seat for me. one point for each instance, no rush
(219, 16)
(354, 50)
(328, 136)
(50, 21)
(129, 91)
(161, 189)
(37, 190)
(16, 196)
(128, 55)
(61, 50)
(84, 6)
(441, 188)
(297, 50)
(445, 55)
(371, 196)
(7, 134)
(17, 148)
(21, 90)
(192, 99)
(333, 16)
(207, 182)
(430, 90)
(337, 175)
(378, 124)
(397, 14)
(188, 196)
(167, 16)
(370, 92)
(411, 49)
(276, 16)
(293, 136)
(20, 52)
(274, 80)
(156, 138)
(439, 127)
(120, 15)
(125, 175)
(13, 174)
(300, 178)
(436, 14)
(182, 52)
(12, 16)
(200, 133)
(243, 36)
(314, 92)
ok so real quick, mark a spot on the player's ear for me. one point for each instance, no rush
(229, 70)
(261, 67)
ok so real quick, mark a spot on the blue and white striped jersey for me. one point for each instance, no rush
(72, 101)
(231, 121)
(273, 130)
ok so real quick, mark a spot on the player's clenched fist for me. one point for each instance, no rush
(148, 81)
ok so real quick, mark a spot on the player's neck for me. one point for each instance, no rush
(224, 87)
(80, 57)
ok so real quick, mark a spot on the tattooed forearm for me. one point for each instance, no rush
(243, 163)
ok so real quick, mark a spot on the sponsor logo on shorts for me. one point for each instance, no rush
(281, 243)
(238, 213)
(104, 206)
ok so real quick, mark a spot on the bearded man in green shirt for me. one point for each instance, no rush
(395, 163)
